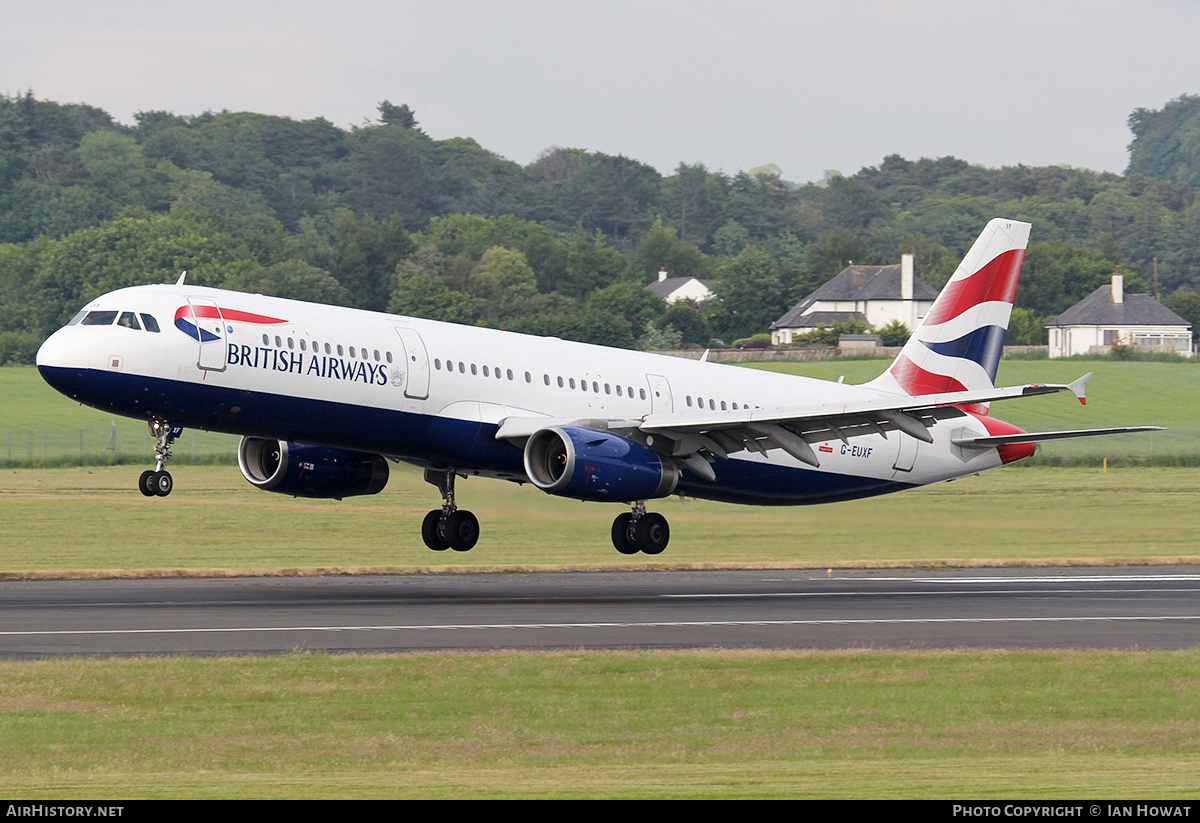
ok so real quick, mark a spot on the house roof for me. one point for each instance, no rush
(858, 283)
(1098, 309)
(665, 288)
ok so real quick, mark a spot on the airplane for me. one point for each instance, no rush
(324, 397)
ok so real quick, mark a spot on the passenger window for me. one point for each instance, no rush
(100, 318)
(129, 320)
(149, 323)
(485, 372)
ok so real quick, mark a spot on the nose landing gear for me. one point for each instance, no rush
(158, 482)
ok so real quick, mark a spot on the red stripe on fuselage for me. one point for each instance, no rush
(995, 282)
(224, 314)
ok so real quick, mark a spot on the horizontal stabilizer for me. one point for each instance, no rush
(1038, 437)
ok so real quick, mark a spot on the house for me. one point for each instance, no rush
(1109, 317)
(674, 289)
(876, 295)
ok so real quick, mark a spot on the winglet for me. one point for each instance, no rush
(1079, 387)
(179, 282)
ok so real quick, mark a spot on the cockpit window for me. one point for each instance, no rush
(150, 323)
(100, 318)
(129, 320)
(78, 316)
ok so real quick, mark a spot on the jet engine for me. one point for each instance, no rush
(596, 465)
(310, 471)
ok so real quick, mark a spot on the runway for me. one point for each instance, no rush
(1125, 607)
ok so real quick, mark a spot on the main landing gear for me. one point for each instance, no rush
(158, 482)
(448, 527)
(640, 531)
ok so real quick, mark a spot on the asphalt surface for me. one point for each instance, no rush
(1126, 607)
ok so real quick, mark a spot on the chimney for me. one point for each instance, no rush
(662, 274)
(1118, 288)
(906, 276)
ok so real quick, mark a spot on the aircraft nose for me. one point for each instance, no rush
(63, 363)
(59, 352)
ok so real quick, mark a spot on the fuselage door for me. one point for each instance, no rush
(660, 394)
(414, 366)
(906, 457)
(210, 329)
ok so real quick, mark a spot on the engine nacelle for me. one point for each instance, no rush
(310, 471)
(596, 465)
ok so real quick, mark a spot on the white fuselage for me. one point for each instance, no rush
(434, 394)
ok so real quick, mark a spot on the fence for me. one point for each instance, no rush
(121, 441)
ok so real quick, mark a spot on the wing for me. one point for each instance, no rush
(694, 438)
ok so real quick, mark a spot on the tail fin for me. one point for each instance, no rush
(957, 346)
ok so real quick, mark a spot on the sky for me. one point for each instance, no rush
(807, 85)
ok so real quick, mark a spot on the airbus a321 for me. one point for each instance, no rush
(324, 397)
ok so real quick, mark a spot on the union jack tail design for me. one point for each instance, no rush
(957, 346)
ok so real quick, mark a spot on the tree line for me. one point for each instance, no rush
(383, 217)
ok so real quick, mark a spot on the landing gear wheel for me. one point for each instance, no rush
(429, 531)
(155, 484)
(652, 533)
(462, 530)
(620, 534)
(162, 483)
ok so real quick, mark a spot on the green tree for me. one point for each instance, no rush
(1166, 142)
(751, 295)
(393, 115)
(430, 297)
(293, 279)
(365, 253)
(503, 278)
(690, 322)
(1186, 304)
(894, 334)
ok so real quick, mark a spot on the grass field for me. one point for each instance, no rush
(571, 725)
(92, 520)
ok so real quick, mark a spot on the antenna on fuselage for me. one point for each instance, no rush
(179, 282)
